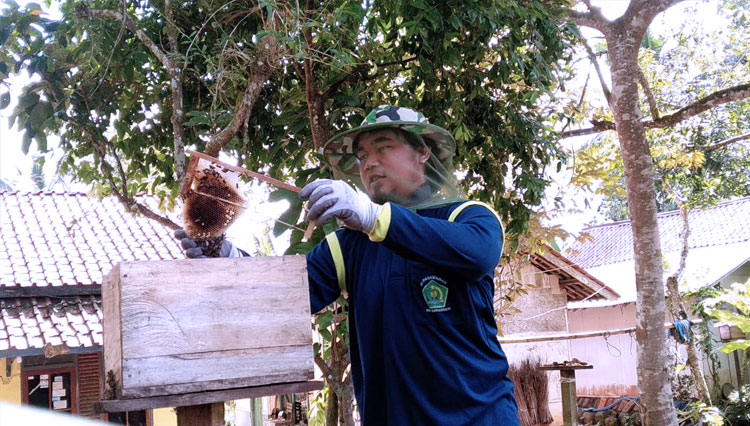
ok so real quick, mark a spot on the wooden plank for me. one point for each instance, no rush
(197, 398)
(112, 336)
(12, 292)
(212, 371)
(224, 310)
(207, 324)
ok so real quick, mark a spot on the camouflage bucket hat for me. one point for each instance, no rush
(339, 150)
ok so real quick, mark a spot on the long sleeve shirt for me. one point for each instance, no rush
(423, 338)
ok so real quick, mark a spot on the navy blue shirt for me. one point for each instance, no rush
(423, 338)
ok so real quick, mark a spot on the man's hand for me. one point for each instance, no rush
(194, 250)
(328, 199)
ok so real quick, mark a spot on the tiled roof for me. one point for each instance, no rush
(30, 323)
(721, 225)
(55, 249)
(62, 239)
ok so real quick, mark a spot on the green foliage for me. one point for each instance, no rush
(480, 69)
(732, 307)
(699, 413)
(737, 408)
(702, 332)
(681, 68)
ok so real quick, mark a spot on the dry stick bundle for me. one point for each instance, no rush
(529, 393)
(541, 386)
(515, 376)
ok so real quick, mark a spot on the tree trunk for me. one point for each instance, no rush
(653, 357)
(332, 408)
(679, 312)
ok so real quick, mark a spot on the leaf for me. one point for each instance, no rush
(26, 101)
(731, 318)
(455, 22)
(4, 100)
(25, 143)
(739, 345)
(288, 218)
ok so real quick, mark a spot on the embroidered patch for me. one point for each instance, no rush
(435, 294)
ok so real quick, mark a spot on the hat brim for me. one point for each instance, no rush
(442, 139)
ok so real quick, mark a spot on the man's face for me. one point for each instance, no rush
(391, 170)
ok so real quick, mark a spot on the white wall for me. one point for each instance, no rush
(613, 357)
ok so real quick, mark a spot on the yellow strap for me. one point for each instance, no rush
(338, 259)
(459, 209)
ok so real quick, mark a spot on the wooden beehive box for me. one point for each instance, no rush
(194, 325)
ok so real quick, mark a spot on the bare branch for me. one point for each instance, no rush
(593, 18)
(649, 95)
(175, 79)
(732, 94)
(722, 144)
(266, 63)
(598, 127)
(711, 101)
(595, 62)
(641, 13)
(129, 23)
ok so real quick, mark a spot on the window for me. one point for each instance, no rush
(50, 389)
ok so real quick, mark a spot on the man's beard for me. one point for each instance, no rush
(419, 195)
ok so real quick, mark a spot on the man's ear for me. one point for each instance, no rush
(423, 154)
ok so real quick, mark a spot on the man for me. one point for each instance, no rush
(417, 262)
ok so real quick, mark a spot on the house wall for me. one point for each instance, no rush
(613, 357)
(10, 392)
(10, 387)
(165, 417)
(542, 312)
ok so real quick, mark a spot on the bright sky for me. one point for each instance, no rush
(16, 167)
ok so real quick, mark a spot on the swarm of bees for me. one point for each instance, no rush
(211, 205)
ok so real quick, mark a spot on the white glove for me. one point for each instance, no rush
(329, 199)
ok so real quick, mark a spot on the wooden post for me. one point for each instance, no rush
(201, 415)
(568, 389)
(569, 405)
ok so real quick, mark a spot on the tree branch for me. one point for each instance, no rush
(713, 100)
(592, 19)
(595, 62)
(315, 110)
(732, 94)
(722, 144)
(175, 79)
(266, 63)
(172, 70)
(649, 95)
(84, 11)
(131, 205)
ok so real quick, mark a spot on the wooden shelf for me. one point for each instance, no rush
(208, 397)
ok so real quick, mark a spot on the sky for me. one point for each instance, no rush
(15, 167)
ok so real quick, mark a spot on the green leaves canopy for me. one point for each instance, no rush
(477, 68)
